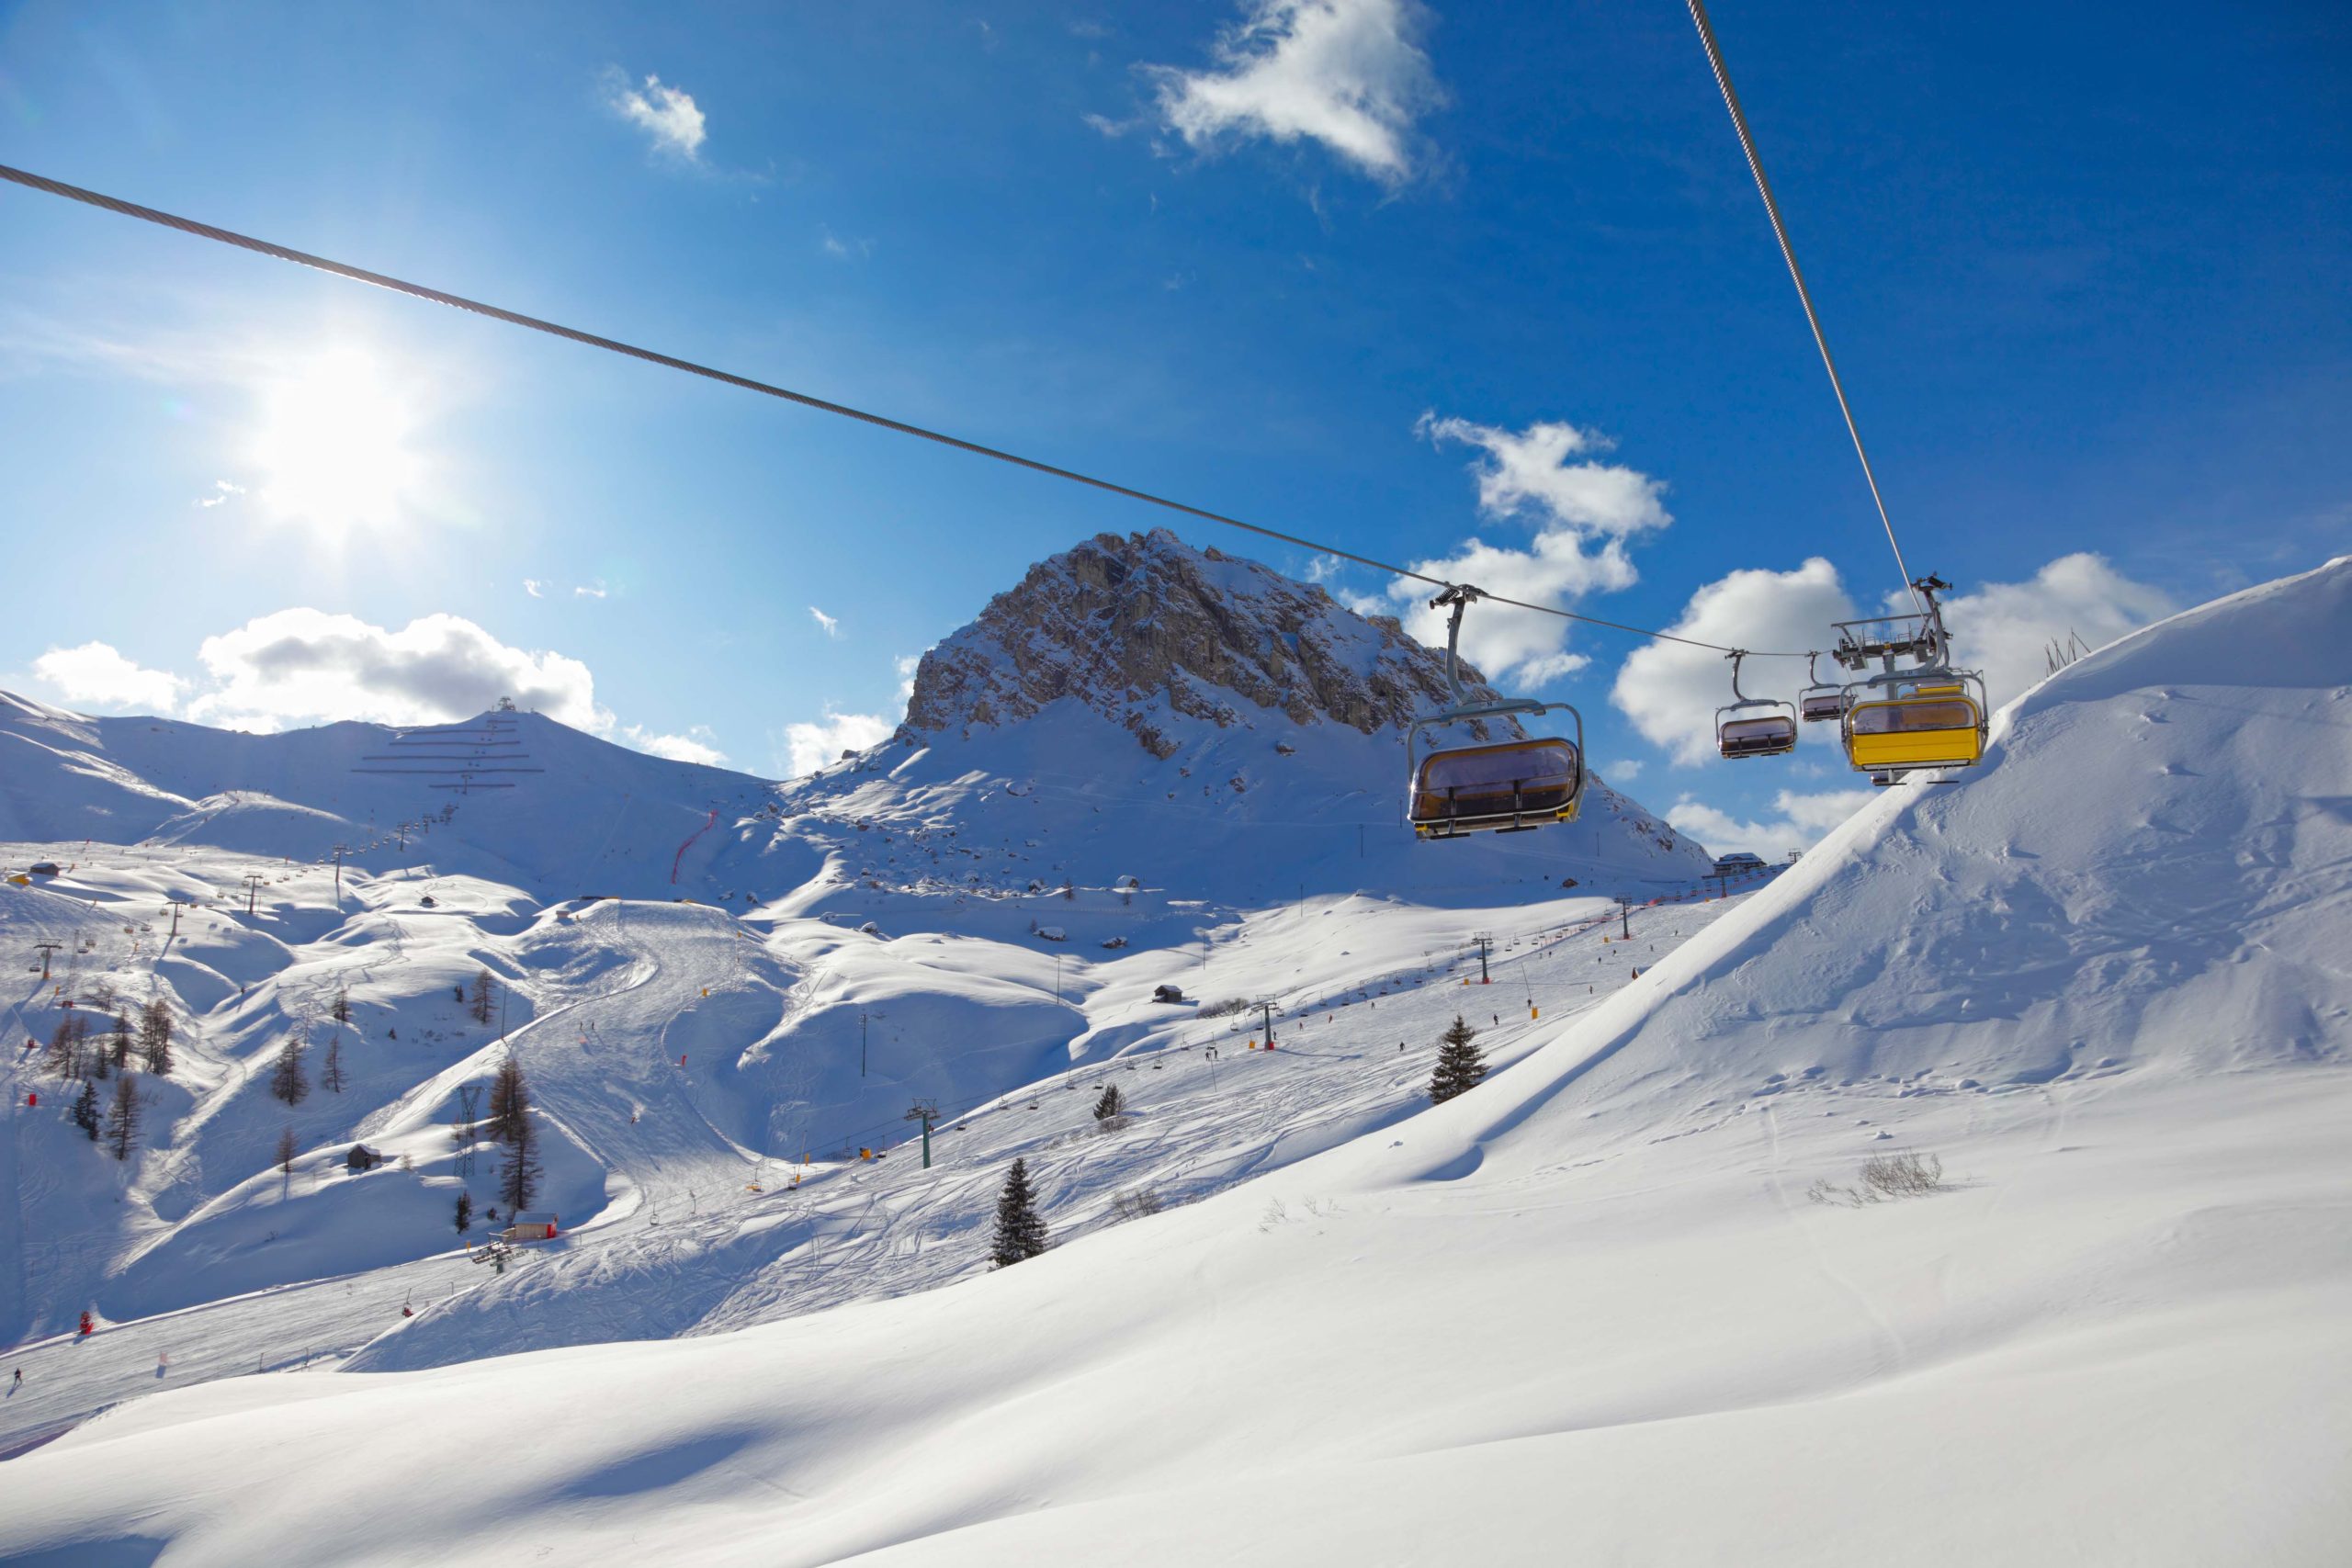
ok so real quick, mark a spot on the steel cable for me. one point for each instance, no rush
(611, 345)
(1805, 295)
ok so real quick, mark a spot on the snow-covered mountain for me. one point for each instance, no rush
(1139, 708)
(1104, 782)
(1585, 1311)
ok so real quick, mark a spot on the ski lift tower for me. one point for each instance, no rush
(925, 1111)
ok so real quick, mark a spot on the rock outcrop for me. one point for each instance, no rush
(1146, 627)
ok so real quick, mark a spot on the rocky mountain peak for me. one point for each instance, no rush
(1144, 629)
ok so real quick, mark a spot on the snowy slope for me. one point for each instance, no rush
(549, 808)
(2155, 869)
(1029, 867)
(1584, 1311)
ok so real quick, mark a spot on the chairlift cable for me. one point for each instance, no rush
(1796, 274)
(514, 318)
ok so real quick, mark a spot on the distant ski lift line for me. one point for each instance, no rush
(459, 302)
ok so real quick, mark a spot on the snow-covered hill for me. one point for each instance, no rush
(1584, 1311)
(710, 977)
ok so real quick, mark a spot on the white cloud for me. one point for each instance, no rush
(845, 250)
(1629, 769)
(305, 666)
(830, 625)
(908, 665)
(1348, 73)
(1530, 470)
(535, 588)
(694, 746)
(819, 745)
(96, 674)
(222, 493)
(598, 592)
(2002, 629)
(1534, 672)
(1583, 510)
(669, 114)
(1671, 691)
(1803, 821)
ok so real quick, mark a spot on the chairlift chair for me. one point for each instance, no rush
(1821, 701)
(1927, 719)
(1754, 726)
(1506, 786)
(1900, 721)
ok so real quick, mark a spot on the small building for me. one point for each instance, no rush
(1170, 994)
(1052, 933)
(362, 1158)
(43, 868)
(539, 1225)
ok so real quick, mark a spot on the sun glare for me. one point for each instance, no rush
(333, 447)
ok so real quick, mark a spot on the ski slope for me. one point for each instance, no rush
(709, 979)
(1586, 1311)
(665, 1233)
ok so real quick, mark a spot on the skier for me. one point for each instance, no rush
(89, 1324)
(17, 1382)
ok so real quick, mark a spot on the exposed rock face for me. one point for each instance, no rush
(1142, 627)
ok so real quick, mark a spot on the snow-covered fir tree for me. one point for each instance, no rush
(1020, 1229)
(1460, 1063)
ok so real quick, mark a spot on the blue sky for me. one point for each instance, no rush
(1398, 275)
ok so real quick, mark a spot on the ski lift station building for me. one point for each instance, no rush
(539, 1225)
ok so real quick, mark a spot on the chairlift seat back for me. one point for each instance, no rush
(1510, 783)
(1766, 735)
(1936, 726)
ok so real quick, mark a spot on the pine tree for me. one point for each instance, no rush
(465, 1212)
(287, 1079)
(341, 1011)
(518, 1171)
(64, 1055)
(478, 1003)
(1020, 1229)
(97, 1061)
(1460, 1063)
(287, 1149)
(1108, 1108)
(122, 1118)
(123, 1033)
(155, 1037)
(85, 1110)
(331, 1069)
(510, 1100)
